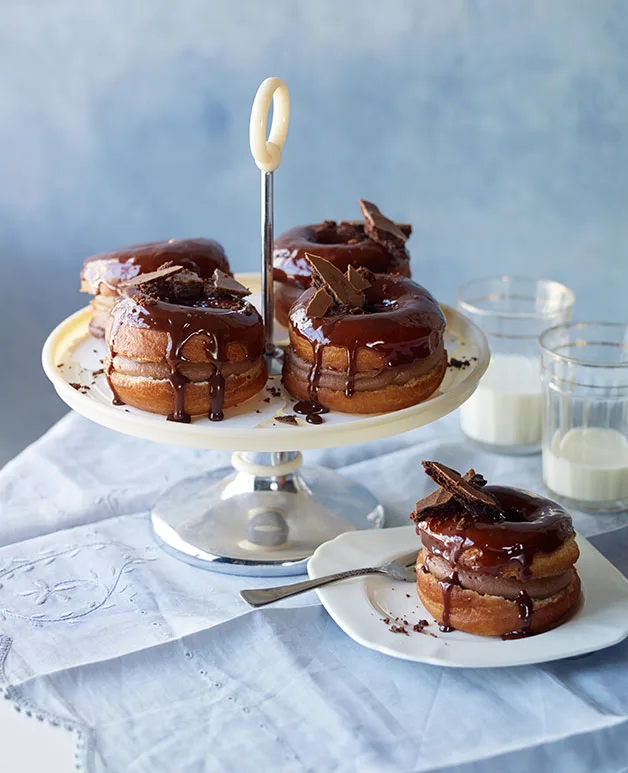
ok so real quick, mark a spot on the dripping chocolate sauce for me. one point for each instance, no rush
(447, 587)
(352, 355)
(525, 608)
(312, 409)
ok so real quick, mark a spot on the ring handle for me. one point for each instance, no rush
(267, 152)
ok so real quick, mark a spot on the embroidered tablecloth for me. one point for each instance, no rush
(160, 666)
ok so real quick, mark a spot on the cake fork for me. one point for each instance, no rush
(402, 569)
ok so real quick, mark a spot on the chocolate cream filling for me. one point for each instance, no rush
(397, 375)
(193, 371)
(488, 585)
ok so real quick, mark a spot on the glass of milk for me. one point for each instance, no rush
(504, 414)
(585, 434)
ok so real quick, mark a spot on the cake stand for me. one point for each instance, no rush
(267, 514)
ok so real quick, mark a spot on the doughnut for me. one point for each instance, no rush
(363, 343)
(377, 244)
(101, 274)
(495, 561)
(181, 346)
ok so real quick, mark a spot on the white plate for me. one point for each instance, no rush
(359, 606)
(72, 356)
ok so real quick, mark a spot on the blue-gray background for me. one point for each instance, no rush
(497, 127)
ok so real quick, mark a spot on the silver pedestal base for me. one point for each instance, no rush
(264, 519)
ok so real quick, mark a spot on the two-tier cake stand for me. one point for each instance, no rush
(268, 513)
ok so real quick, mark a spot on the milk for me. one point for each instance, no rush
(588, 464)
(505, 409)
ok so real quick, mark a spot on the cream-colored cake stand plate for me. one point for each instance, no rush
(269, 516)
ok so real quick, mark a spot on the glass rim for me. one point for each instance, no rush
(547, 349)
(469, 307)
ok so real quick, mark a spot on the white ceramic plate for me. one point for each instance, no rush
(359, 606)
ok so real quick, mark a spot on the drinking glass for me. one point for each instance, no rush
(504, 413)
(585, 432)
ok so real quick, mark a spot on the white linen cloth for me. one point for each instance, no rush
(160, 666)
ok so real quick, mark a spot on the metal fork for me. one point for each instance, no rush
(402, 569)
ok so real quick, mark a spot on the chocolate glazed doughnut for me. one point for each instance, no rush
(181, 346)
(376, 244)
(374, 349)
(101, 274)
(503, 566)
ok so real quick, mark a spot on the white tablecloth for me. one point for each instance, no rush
(161, 666)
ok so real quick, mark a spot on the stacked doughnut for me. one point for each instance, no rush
(495, 561)
(377, 244)
(363, 342)
(181, 345)
(102, 274)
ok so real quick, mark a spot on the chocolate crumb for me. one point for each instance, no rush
(82, 388)
(399, 629)
(98, 372)
(289, 419)
(386, 620)
(267, 399)
(420, 626)
(461, 364)
(408, 595)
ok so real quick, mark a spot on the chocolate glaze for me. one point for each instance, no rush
(202, 256)
(400, 321)
(342, 244)
(532, 525)
(221, 321)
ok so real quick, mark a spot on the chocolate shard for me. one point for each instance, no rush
(441, 503)
(163, 272)
(332, 279)
(223, 283)
(470, 496)
(357, 278)
(320, 303)
(376, 222)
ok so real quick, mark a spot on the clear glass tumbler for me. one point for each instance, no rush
(585, 428)
(504, 413)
